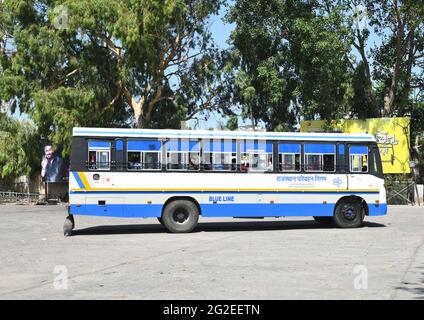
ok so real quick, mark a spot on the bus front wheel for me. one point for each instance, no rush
(349, 214)
(180, 216)
(68, 226)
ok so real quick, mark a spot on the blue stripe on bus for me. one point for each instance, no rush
(219, 146)
(173, 145)
(99, 144)
(358, 150)
(226, 192)
(78, 180)
(320, 148)
(220, 210)
(297, 137)
(289, 148)
(255, 145)
(143, 145)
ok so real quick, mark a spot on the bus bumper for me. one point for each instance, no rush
(377, 209)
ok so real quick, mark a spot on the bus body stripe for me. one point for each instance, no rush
(84, 180)
(78, 180)
(223, 191)
(214, 210)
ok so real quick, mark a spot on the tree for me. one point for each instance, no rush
(148, 63)
(18, 147)
(400, 24)
(293, 57)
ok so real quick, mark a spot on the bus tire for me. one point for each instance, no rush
(160, 220)
(180, 216)
(349, 214)
(68, 226)
(324, 220)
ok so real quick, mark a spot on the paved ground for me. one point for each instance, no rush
(225, 259)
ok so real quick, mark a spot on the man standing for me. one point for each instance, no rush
(51, 165)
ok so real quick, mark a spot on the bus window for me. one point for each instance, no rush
(289, 157)
(256, 156)
(182, 155)
(377, 168)
(358, 156)
(144, 154)
(219, 155)
(99, 155)
(320, 157)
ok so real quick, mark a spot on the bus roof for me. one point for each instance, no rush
(207, 134)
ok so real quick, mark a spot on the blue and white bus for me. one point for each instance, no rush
(177, 176)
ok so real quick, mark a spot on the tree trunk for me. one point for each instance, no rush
(138, 112)
(369, 93)
(389, 97)
(409, 64)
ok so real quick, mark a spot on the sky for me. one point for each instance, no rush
(221, 32)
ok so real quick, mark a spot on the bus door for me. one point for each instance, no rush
(358, 167)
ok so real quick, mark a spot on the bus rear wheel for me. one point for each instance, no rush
(180, 216)
(349, 214)
(324, 220)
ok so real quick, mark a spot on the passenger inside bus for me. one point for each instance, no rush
(244, 165)
(193, 161)
(269, 168)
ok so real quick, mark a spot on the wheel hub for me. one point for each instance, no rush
(349, 213)
(180, 215)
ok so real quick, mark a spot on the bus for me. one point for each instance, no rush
(177, 176)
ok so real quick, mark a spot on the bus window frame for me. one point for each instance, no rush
(374, 150)
(293, 154)
(249, 152)
(322, 157)
(231, 153)
(98, 149)
(368, 158)
(182, 152)
(141, 152)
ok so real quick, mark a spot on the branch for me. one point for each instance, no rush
(185, 59)
(70, 74)
(117, 50)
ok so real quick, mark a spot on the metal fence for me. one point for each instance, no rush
(20, 197)
(400, 192)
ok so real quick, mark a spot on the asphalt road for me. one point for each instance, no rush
(287, 258)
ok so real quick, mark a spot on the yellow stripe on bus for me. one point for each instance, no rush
(84, 180)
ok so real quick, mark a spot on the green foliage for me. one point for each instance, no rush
(18, 147)
(111, 63)
(290, 61)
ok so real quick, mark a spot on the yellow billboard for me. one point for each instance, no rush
(392, 135)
